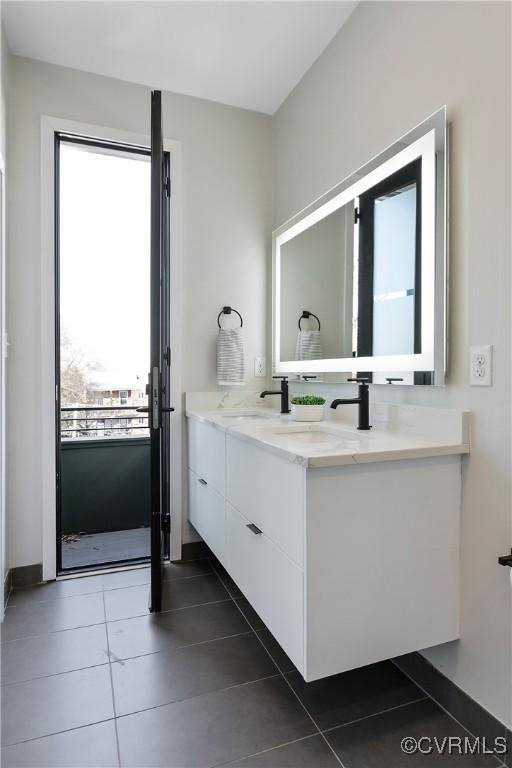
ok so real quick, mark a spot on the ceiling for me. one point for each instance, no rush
(247, 54)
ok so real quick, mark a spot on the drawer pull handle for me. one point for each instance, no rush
(254, 528)
(200, 480)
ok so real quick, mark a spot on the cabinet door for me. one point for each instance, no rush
(207, 453)
(207, 513)
(269, 491)
(269, 579)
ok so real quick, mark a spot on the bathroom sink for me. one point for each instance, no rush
(314, 433)
(315, 436)
(310, 437)
(239, 415)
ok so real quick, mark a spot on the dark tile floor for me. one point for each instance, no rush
(90, 679)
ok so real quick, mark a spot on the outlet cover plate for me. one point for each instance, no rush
(480, 366)
(260, 367)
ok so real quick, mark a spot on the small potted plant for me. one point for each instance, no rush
(308, 408)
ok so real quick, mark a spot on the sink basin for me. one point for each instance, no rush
(239, 415)
(314, 436)
(310, 437)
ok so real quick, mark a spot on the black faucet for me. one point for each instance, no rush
(363, 401)
(285, 405)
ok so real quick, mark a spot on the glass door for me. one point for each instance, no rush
(158, 382)
(102, 312)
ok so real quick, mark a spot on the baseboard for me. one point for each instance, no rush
(195, 550)
(450, 697)
(26, 575)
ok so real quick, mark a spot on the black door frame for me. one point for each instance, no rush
(61, 137)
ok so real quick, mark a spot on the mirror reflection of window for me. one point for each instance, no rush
(389, 287)
(394, 273)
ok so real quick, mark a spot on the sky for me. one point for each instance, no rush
(105, 258)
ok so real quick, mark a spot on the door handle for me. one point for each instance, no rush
(506, 560)
(254, 529)
(200, 480)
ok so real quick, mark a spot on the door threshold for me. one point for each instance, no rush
(91, 571)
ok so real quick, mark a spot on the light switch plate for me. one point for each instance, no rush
(480, 366)
(260, 367)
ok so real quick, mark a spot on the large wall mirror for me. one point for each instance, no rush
(360, 276)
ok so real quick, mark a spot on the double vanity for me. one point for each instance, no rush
(345, 543)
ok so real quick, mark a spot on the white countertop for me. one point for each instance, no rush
(334, 442)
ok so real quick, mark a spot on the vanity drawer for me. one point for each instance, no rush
(207, 453)
(269, 491)
(270, 581)
(207, 513)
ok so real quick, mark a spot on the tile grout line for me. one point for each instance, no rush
(58, 733)
(148, 709)
(266, 751)
(196, 696)
(54, 674)
(281, 673)
(170, 610)
(111, 683)
(157, 706)
(51, 632)
(185, 645)
(94, 591)
(429, 696)
(121, 659)
(112, 621)
(375, 714)
(176, 648)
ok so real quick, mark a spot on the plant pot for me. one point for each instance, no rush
(308, 412)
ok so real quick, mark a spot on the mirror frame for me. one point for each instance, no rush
(429, 140)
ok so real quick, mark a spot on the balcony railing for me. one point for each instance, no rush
(102, 421)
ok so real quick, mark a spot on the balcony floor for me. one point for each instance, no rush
(115, 546)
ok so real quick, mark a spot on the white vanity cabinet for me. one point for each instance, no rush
(272, 583)
(207, 453)
(206, 484)
(346, 565)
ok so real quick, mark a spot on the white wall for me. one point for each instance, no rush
(390, 66)
(4, 76)
(226, 175)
